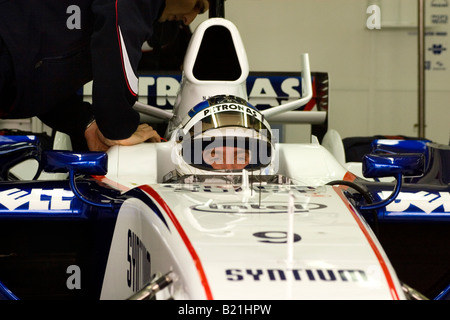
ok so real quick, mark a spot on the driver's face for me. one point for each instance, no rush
(227, 158)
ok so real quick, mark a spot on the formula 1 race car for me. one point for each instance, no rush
(223, 210)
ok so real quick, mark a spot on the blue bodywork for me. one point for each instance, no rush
(413, 227)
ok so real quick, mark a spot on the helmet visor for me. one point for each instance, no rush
(227, 153)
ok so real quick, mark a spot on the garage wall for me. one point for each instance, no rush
(373, 72)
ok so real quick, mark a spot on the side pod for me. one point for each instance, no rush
(16, 149)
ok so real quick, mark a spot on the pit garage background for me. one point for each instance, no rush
(373, 70)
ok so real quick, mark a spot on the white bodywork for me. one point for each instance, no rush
(291, 239)
(225, 241)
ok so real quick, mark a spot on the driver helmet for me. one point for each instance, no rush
(224, 134)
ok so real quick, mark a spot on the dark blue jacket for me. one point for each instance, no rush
(56, 48)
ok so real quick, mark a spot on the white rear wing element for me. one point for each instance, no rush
(153, 111)
(307, 93)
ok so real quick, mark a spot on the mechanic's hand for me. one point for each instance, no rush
(97, 142)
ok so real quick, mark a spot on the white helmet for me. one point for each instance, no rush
(224, 134)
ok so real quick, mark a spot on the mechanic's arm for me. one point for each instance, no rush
(120, 28)
(96, 141)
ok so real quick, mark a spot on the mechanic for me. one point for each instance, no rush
(50, 49)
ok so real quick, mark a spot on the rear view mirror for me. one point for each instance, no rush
(92, 163)
(396, 165)
(387, 165)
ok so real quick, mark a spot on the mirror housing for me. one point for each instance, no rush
(396, 165)
(92, 163)
(391, 165)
